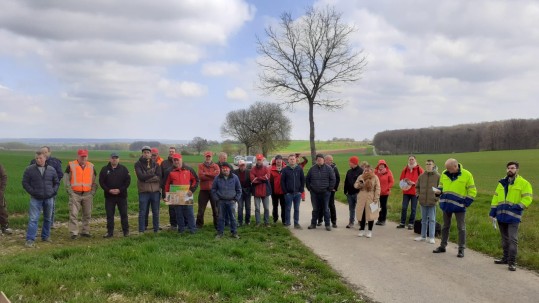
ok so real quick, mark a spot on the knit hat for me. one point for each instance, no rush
(354, 160)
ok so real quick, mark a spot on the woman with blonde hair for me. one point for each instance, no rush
(368, 199)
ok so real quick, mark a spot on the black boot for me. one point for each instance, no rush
(461, 253)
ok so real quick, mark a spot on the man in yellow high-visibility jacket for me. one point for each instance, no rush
(513, 194)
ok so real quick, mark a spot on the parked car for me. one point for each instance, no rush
(237, 159)
(249, 161)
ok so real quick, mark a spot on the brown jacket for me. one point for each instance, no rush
(369, 191)
(425, 194)
(207, 174)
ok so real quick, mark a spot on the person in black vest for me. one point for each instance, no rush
(114, 178)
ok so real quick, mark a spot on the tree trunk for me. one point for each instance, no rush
(311, 131)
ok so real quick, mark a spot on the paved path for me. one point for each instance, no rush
(392, 267)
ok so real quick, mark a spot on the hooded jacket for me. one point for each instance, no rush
(386, 179)
(458, 190)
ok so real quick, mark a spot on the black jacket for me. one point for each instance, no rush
(351, 176)
(118, 177)
(292, 180)
(246, 184)
(320, 178)
(39, 186)
(337, 176)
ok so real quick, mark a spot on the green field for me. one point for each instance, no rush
(304, 147)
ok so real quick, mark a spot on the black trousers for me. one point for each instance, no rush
(203, 197)
(332, 210)
(383, 208)
(172, 216)
(110, 207)
(277, 200)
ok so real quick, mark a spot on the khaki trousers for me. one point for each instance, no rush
(76, 203)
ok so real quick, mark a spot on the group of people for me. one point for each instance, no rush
(229, 191)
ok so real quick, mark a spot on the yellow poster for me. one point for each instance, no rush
(178, 195)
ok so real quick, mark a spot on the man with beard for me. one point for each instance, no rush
(148, 183)
(207, 171)
(226, 190)
(513, 194)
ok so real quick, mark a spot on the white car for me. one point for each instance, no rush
(237, 159)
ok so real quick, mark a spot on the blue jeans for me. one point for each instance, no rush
(428, 219)
(226, 210)
(290, 199)
(145, 200)
(320, 202)
(265, 203)
(244, 202)
(406, 199)
(352, 201)
(185, 213)
(36, 206)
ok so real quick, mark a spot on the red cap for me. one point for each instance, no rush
(354, 160)
(82, 152)
(176, 156)
(154, 150)
(208, 154)
(260, 157)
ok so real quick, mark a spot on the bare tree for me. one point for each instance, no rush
(198, 144)
(263, 125)
(304, 60)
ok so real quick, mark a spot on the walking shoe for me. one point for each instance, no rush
(431, 241)
(7, 230)
(369, 234)
(235, 236)
(460, 253)
(512, 267)
(74, 237)
(29, 244)
(86, 235)
(410, 227)
(218, 236)
(46, 240)
(361, 233)
(350, 225)
(319, 224)
(334, 225)
(328, 228)
(107, 235)
(501, 261)
(420, 239)
(381, 223)
(312, 226)
(400, 226)
(439, 249)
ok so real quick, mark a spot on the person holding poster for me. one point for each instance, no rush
(181, 183)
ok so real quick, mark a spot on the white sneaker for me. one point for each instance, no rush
(361, 233)
(369, 234)
(431, 241)
(420, 239)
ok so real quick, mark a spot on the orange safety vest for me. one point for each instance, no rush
(81, 179)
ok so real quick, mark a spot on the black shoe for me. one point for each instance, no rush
(319, 224)
(334, 225)
(107, 235)
(460, 253)
(501, 261)
(400, 226)
(512, 267)
(328, 228)
(311, 226)
(86, 235)
(380, 223)
(439, 249)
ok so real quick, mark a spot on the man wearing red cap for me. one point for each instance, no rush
(183, 175)
(166, 167)
(155, 156)
(260, 175)
(80, 184)
(349, 190)
(207, 171)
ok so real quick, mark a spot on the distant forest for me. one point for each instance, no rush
(485, 136)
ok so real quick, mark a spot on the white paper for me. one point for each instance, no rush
(374, 207)
(494, 223)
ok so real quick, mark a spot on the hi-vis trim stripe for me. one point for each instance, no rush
(452, 202)
(454, 194)
(470, 186)
(509, 213)
(527, 195)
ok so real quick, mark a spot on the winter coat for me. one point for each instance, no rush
(386, 179)
(412, 175)
(458, 190)
(275, 180)
(320, 178)
(351, 176)
(369, 191)
(292, 180)
(184, 175)
(110, 178)
(39, 186)
(148, 175)
(425, 183)
(226, 189)
(260, 181)
(207, 173)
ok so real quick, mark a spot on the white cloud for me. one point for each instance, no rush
(220, 68)
(237, 94)
(178, 90)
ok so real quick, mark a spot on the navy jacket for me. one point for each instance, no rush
(55, 163)
(320, 178)
(39, 186)
(228, 189)
(292, 180)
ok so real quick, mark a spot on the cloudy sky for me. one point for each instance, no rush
(173, 69)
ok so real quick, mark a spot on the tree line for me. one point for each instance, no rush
(485, 136)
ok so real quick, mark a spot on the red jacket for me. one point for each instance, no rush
(275, 180)
(412, 175)
(207, 174)
(386, 179)
(259, 179)
(182, 176)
